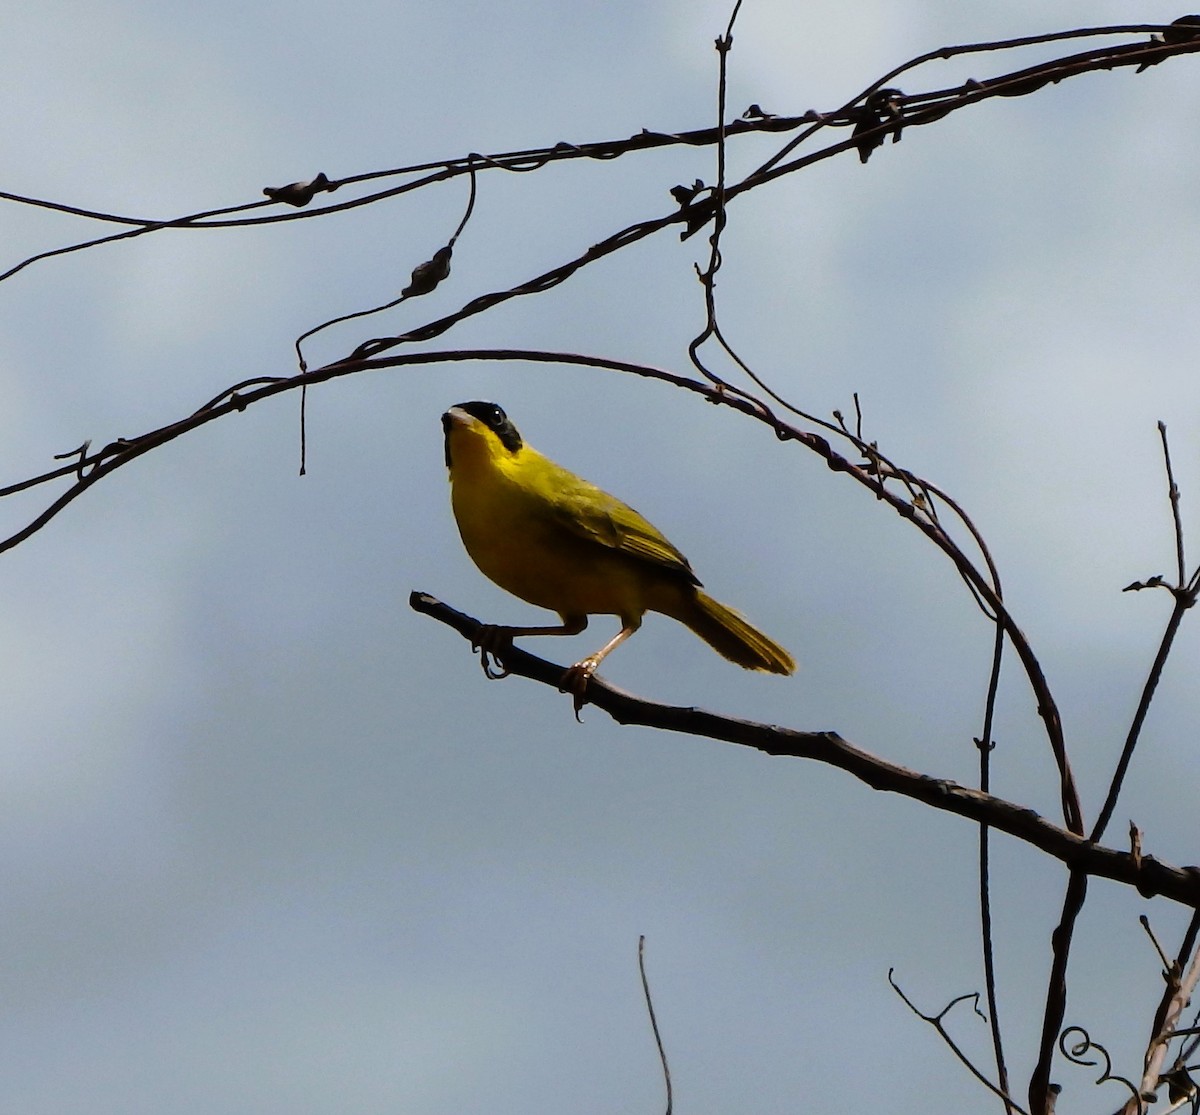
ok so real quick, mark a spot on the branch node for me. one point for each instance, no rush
(80, 452)
(299, 194)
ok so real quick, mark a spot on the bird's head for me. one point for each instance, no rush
(484, 425)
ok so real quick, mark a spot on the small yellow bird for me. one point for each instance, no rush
(556, 541)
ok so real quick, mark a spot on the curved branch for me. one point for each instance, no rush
(431, 174)
(91, 468)
(985, 744)
(1149, 876)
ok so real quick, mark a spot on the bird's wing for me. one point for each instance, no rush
(591, 513)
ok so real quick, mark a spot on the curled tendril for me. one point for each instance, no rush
(1075, 1043)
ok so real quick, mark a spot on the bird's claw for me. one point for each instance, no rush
(491, 641)
(575, 681)
(492, 673)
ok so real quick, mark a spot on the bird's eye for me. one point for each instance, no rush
(498, 416)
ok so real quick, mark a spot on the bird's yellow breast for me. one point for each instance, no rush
(514, 512)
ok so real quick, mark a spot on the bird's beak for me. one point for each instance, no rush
(454, 418)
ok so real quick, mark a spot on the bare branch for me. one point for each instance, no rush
(1041, 1094)
(1148, 875)
(1173, 497)
(1176, 997)
(985, 746)
(124, 450)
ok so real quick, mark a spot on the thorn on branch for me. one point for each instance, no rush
(754, 112)
(300, 194)
(1135, 853)
(1157, 581)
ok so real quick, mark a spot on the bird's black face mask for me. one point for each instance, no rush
(493, 417)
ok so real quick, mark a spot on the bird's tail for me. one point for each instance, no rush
(733, 638)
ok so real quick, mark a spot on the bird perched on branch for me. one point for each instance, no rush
(559, 542)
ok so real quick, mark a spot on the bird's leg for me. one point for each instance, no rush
(492, 641)
(575, 680)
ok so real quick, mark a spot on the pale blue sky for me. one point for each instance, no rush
(269, 841)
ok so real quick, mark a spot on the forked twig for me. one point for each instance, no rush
(1183, 596)
(935, 1020)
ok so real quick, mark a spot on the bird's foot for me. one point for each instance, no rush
(491, 642)
(575, 682)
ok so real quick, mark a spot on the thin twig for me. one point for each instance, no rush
(662, 1053)
(1183, 596)
(708, 277)
(985, 745)
(1173, 497)
(1180, 607)
(1149, 931)
(521, 161)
